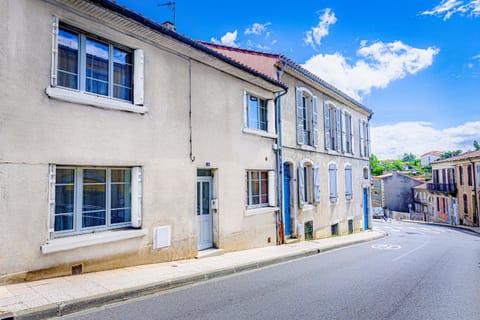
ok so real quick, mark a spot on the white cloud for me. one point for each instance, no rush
(392, 141)
(258, 29)
(228, 39)
(315, 35)
(447, 8)
(380, 63)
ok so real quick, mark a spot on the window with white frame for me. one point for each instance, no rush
(332, 180)
(308, 184)
(90, 68)
(257, 189)
(256, 113)
(307, 117)
(348, 182)
(87, 199)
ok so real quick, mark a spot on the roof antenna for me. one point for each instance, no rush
(171, 5)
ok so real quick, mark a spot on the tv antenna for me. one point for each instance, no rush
(171, 5)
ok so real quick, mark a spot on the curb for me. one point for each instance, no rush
(444, 225)
(68, 307)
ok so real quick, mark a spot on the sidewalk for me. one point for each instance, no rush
(59, 296)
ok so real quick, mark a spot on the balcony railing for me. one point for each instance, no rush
(442, 187)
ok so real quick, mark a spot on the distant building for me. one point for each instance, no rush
(429, 157)
(423, 203)
(393, 191)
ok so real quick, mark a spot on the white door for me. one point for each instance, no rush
(204, 212)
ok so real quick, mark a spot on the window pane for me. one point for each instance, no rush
(263, 115)
(94, 176)
(253, 113)
(93, 197)
(120, 196)
(67, 69)
(120, 215)
(121, 175)
(64, 176)
(264, 188)
(122, 74)
(93, 218)
(205, 198)
(97, 67)
(63, 222)
(64, 196)
(198, 198)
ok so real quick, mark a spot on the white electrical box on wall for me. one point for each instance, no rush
(162, 237)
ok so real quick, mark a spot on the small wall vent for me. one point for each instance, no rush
(162, 237)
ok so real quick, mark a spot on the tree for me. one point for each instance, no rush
(476, 145)
(408, 157)
(449, 154)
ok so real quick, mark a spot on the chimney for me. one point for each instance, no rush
(169, 25)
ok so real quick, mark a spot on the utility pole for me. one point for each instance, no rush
(171, 5)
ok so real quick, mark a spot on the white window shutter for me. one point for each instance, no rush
(138, 77)
(136, 197)
(51, 200)
(301, 186)
(326, 116)
(348, 182)
(352, 142)
(54, 63)
(299, 107)
(272, 199)
(316, 184)
(315, 121)
(245, 108)
(338, 129)
(344, 132)
(271, 116)
(362, 142)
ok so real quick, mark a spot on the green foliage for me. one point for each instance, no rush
(476, 145)
(449, 154)
(408, 162)
(408, 157)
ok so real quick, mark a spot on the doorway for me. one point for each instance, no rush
(204, 212)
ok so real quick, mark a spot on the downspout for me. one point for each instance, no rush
(475, 197)
(279, 157)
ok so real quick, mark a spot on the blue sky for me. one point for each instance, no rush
(416, 63)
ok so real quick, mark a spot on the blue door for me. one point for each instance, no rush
(286, 197)
(365, 208)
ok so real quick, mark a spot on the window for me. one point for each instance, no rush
(348, 182)
(95, 71)
(308, 184)
(257, 188)
(365, 173)
(332, 120)
(469, 175)
(307, 117)
(332, 178)
(87, 199)
(256, 113)
(465, 204)
(364, 138)
(460, 175)
(347, 132)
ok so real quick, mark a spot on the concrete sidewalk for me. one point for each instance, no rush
(59, 296)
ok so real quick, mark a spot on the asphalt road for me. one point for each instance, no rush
(418, 272)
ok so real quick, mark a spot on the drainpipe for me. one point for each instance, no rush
(475, 197)
(279, 157)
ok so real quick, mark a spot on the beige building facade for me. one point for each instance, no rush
(125, 143)
(325, 149)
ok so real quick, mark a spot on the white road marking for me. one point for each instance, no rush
(409, 252)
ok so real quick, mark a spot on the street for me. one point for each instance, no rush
(417, 272)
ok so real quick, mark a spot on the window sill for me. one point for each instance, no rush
(92, 100)
(85, 240)
(262, 210)
(307, 207)
(260, 133)
(307, 147)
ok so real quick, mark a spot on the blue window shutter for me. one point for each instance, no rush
(338, 129)
(301, 186)
(348, 182)
(299, 107)
(315, 121)
(352, 142)
(326, 116)
(344, 131)
(316, 184)
(332, 177)
(362, 142)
